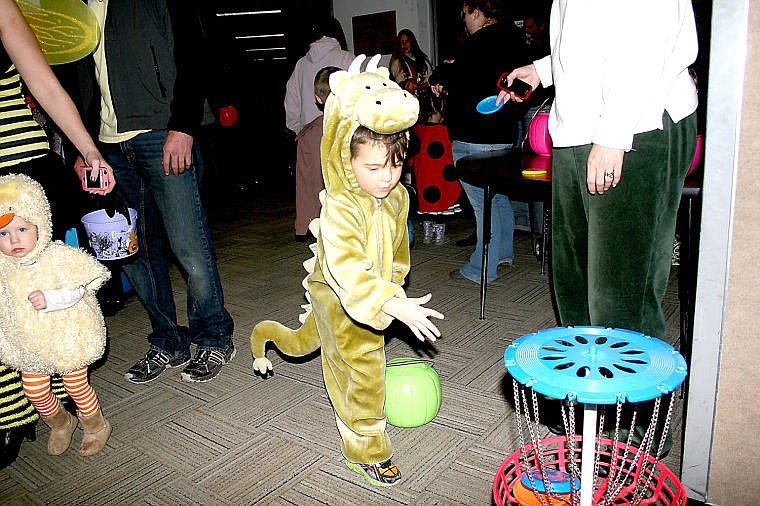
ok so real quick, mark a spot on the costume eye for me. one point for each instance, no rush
(367, 87)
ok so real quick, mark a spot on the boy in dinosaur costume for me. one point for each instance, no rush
(362, 258)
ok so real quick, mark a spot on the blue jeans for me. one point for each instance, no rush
(170, 204)
(502, 219)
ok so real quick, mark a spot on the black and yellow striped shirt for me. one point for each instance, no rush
(21, 137)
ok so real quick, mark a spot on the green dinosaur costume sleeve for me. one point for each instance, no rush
(359, 259)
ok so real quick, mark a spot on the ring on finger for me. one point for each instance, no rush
(609, 175)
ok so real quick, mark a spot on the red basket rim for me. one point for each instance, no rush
(664, 486)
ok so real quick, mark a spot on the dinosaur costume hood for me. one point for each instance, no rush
(369, 99)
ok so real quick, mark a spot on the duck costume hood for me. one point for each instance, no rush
(24, 197)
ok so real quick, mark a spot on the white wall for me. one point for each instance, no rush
(415, 15)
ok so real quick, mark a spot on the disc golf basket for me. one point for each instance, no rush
(590, 366)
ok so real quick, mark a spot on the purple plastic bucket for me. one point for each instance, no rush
(111, 238)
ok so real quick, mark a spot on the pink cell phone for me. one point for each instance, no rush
(101, 183)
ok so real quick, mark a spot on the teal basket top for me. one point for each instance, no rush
(595, 365)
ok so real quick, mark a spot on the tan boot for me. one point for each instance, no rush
(97, 430)
(62, 425)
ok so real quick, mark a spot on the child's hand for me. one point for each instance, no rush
(37, 298)
(412, 313)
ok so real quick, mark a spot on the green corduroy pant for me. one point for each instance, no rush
(611, 253)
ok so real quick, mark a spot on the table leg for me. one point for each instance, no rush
(547, 227)
(487, 196)
(687, 223)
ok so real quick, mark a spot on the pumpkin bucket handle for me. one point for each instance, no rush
(409, 361)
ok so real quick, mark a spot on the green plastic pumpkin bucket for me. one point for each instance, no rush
(412, 392)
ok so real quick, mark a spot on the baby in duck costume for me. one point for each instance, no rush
(50, 321)
(362, 259)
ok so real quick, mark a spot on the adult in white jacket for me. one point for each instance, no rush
(624, 130)
(623, 126)
(324, 51)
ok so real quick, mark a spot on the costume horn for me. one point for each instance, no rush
(356, 65)
(372, 65)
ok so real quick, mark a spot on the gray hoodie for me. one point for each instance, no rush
(300, 104)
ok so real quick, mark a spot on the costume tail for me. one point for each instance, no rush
(295, 343)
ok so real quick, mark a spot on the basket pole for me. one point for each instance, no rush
(588, 453)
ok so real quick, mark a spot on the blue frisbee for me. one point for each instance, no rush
(559, 480)
(488, 105)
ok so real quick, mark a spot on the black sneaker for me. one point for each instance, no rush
(153, 364)
(207, 363)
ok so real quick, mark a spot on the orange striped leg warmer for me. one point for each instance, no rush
(37, 390)
(77, 386)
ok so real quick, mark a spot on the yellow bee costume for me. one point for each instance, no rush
(38, 341)
(362, 258)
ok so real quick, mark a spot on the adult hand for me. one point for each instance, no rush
(411, 312)
(528, 74)
(178, 152)
(94, 161)
(604, 168)
(437, 89)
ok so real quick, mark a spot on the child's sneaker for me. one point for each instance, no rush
(383, 474)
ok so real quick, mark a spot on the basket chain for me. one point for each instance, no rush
(568, 420)
(660, 447)
(644, 448)
(614, 455)
(598, 452)
(651, 432)
(538, 452)
(521, 409)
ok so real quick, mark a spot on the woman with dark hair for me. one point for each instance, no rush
(471, 77)
(410, 67)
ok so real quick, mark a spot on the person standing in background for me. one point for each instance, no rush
(471, 77)
(151, 69)
(309, 182)
(325, 50)
(410, 67)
